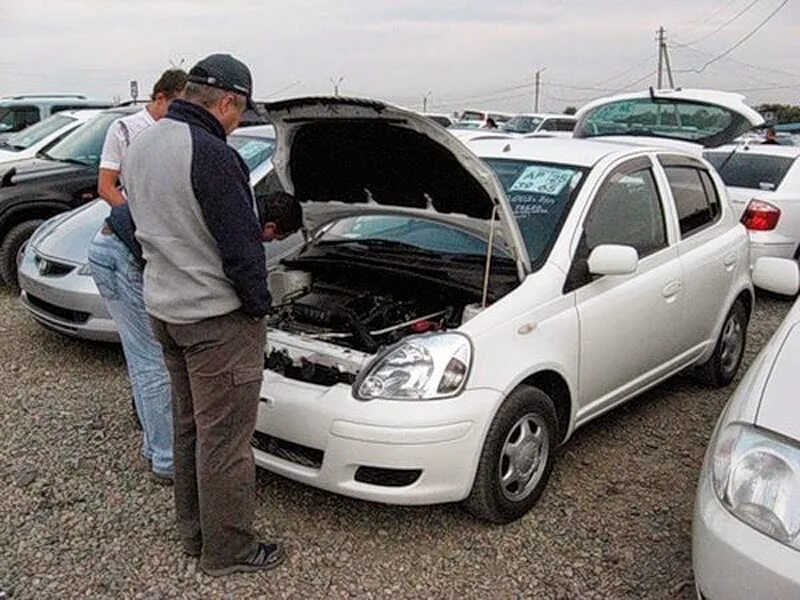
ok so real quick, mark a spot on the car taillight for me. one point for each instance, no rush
(760, 216)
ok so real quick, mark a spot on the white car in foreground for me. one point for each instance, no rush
(459, 312)
(764, 187)
(746, 539)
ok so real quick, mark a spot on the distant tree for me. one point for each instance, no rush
(570, 110)
(784, 113)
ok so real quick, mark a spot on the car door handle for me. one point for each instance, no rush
(729, 260)
(671, 289)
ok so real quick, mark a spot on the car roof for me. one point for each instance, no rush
(759, 148)
(50, 99)
(547, 116)
(583, 153)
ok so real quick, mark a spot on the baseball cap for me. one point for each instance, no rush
(225, 72)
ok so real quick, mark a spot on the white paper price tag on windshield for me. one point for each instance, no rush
(538, 179)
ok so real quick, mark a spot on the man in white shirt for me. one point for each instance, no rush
(122, 132)
(116, 261)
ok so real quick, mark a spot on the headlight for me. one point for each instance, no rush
(756, 475)
(425, 367)
(85, 269)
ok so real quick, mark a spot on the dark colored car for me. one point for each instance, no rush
(60, 179)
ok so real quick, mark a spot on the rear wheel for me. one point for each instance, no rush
(9, 249)
(721, 368)
(517, 457)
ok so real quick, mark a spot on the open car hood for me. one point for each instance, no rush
(708, 118)
(353, 155)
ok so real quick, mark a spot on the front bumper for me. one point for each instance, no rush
(69, 304)
(733, 560)
(436, 444)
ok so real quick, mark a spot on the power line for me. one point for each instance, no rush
(732, 60)
(726, 23)
(741, 41)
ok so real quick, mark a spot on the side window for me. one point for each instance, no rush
(20, 117)
(564, 125)
(268, 185)
(696, 199)
(549, 125)
(627, 211)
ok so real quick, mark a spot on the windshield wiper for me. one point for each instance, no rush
(72, 161)
(373, 243)
(12, 146)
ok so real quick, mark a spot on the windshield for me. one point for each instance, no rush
(697, 122)
(540, 195)
(85, 145)
(522, 124)
(36, 133)
(253, 150)
(754, 171)
(419, 233)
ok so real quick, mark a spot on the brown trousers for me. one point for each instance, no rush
(216, 367)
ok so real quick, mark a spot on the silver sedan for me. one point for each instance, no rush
(747, 518)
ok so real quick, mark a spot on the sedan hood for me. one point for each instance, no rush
(66, 237)
(363, 155)
(35, 168)
(780, 401)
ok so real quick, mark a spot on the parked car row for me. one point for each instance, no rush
(459, 307)
(19, 112)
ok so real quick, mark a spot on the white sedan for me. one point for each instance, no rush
(764, 187)
(40, 136)
(460, 312)
(746, 540)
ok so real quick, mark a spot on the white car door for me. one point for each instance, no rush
(627, 323)
(711, 250)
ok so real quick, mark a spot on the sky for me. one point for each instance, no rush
(458, 54)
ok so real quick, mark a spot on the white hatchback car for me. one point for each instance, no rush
(746, 539)
(458, 312)
(40, 136)
(764, 187)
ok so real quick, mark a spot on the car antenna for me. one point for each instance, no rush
(730, 156)
(487, 270)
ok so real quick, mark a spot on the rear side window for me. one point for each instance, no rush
(753, 171)
(17, 118)
(695, 197)
(564, 125)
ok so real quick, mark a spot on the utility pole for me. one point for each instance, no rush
(336, 81)
(663, 59)
(538, 82)
(425, 101)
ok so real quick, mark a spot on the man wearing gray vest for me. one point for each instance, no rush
(205, 288)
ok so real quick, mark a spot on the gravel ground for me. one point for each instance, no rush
(80, 518)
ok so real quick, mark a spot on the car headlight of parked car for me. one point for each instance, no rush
(756, 476)
(425, 367)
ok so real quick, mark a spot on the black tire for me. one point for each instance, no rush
(721, 368)
(10, 247)
(490, 499)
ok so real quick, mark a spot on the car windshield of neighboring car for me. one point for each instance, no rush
(36, 133)
(406, 233)
(253, 150)
(748, 170)
(85, 145)
(471, 115)
(671, 118)
(540, 195)
(521, 124)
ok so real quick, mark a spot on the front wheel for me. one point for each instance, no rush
(721, 368)
(9, 249)
(517, 457)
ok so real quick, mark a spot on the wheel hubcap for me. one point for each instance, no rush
(732, 343)
(524, 457)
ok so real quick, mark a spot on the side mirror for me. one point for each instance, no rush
(777, 275)
(613, 259)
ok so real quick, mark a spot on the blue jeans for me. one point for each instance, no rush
(119, 279)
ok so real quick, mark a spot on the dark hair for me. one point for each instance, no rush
(171, 83)
(280, 208)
